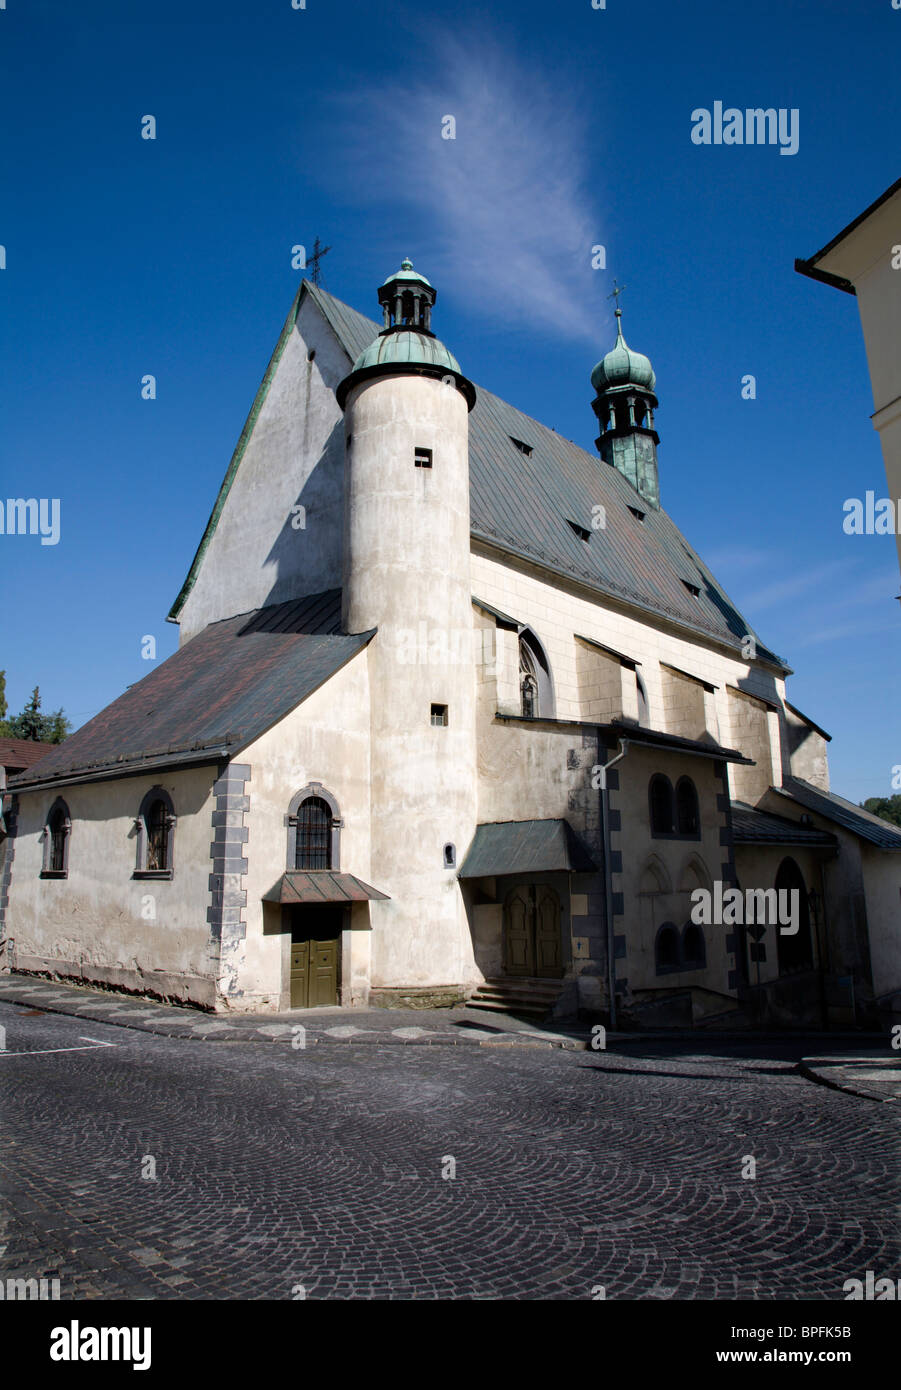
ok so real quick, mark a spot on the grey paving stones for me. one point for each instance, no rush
(329, 1167)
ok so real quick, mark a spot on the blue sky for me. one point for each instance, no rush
(173, 257)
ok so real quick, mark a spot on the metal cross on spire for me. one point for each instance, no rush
(313, 261)
(617, 291)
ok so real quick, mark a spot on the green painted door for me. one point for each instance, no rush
(532, 942)
(548, 946)
(300, 974)
(519, 937)
(315, 938)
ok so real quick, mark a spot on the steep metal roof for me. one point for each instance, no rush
(525, 846)
(523, 504)
(841, 812)
(753, 827)
(214, 696)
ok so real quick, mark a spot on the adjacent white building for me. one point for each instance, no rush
(865, 260)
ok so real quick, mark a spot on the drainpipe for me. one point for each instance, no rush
(603, 769)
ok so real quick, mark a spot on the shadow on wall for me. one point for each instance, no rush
(307, 552)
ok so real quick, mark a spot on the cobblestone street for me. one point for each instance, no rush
(282, 1173)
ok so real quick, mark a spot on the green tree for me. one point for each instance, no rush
(37, 727)
(885, 807)
(57, 727)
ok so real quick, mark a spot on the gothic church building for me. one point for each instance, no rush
(457, 712)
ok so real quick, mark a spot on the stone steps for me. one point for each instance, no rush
(527, 997)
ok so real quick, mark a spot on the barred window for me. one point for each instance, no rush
(313, 835)
(58, 840)
(58, 828)
(158, 836)
(155, 835)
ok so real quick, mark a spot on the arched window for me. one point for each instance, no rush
(528, 683)
(314, 829)
(536, 690)
(57, 829)
(794, 952)
(313, 835)
(155, 827)
(688, 815)
(660, 802)
(694, 953)
(666, 949)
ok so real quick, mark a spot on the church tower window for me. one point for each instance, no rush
(423, 458)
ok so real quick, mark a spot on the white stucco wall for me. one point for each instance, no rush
(295, 455)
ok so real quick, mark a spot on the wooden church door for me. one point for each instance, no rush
(532, 944)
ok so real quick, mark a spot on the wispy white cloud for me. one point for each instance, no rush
(790, 585)
(816, 636)
(505, 207)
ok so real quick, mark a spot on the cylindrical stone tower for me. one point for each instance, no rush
(407, 573)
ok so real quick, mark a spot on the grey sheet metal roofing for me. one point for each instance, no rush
(321, 886)
(522, 505)
(841, 812)
(525, 846)
(753, 827)
(214, 696)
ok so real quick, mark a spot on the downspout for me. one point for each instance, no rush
(602, 770)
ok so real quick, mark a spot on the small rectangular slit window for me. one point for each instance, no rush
(521, 446)
(692, 589)
(581, 531)
(439, 715)
(423, 458)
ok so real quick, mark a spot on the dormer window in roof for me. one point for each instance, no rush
(521, 446)
(581, 531)
(639, 515)
(692, 589)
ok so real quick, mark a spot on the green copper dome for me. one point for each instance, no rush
(406, 345)
(622, 366)
(406, 272)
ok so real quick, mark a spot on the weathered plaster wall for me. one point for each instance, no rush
(325, 740)
(680, 865)
(882, 889)
(96, 923)
(757, 866)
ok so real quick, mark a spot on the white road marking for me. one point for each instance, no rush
(43, 1051)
